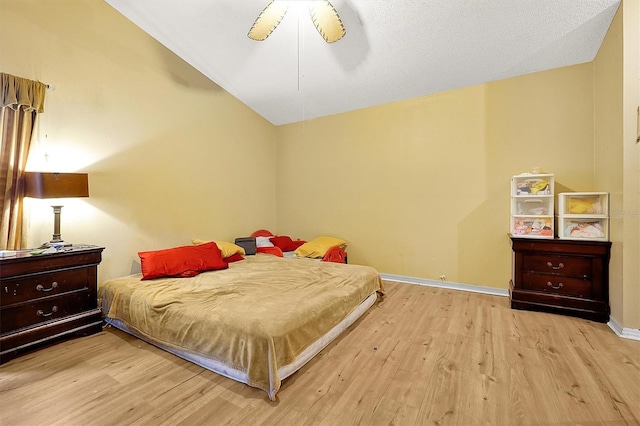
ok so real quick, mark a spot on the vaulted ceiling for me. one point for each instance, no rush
(392, 50)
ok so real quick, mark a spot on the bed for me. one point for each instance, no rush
(257, 322)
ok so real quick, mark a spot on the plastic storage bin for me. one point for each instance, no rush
(535, 227)
(532, 205)
(583, 216)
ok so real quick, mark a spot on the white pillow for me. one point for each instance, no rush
(263, 242)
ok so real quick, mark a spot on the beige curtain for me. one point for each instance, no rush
(21, 100)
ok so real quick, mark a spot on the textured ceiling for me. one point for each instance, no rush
(393, 49)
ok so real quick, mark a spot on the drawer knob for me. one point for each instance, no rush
(39, 287)
(560, 265)
(41, 313)
(555, 287)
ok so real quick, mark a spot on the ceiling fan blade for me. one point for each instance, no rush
(268, 20)
(327, 21)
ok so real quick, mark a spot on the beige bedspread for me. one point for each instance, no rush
(255, 316)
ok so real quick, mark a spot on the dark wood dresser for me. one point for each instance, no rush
(561, 276)
(48, 297)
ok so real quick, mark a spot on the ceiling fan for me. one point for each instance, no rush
(323, 15)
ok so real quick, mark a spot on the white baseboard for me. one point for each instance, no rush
(445, 284)
(627, 333)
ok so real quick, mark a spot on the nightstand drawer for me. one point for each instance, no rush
(558, 265)
(15, 290)
(46, 309)
(557, 285)
(45, 298)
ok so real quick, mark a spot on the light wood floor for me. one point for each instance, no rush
(421, 356)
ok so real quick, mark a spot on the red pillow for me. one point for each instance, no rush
(295, 244)
(335, 254)
(286, 243)
(233, 258)
(270, 250)
(281, 241)
(262, 233)
(186, 261)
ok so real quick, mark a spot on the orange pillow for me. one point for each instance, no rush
(185, 261)
(262, 233)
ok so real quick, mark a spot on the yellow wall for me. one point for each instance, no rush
(421, 187)
(631, 147)
(630, 316)
(370, 177)
(170, 155)
(617, 166)
(608, 91)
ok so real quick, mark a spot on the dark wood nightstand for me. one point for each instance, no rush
(48, 297)
(561, 276)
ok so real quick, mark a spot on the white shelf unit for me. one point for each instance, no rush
(583, 216)
(532, 206)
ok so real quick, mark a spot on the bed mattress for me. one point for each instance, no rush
(256, 322)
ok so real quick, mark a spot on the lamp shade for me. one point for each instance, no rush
(56, 185)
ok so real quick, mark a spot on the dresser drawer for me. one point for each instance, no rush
(38, 311)
(561, 276)
(558, 265)
(557, 285)
(15, 290)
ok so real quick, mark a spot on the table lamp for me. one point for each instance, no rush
(56, 185)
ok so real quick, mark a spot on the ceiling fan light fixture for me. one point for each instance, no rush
(323, 14)
(268, 20)
(327, 21)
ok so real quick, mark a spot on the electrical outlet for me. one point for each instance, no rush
(443, 277)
